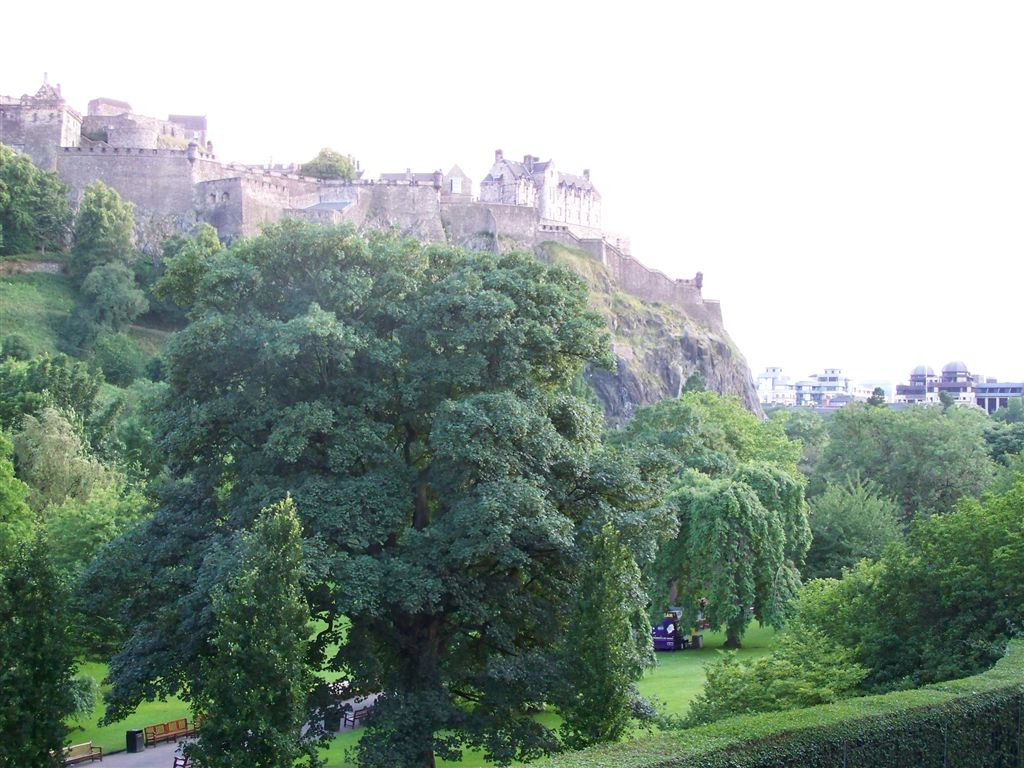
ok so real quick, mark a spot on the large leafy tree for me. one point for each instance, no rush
(329, 164)
(34, 210)
(112, 297)
(739, 501)
(414, 401)
(54, 460)
(36, 659)
(101, 268)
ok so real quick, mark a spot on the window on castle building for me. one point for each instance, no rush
(456, 186)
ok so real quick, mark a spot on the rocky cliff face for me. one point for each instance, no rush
(656, 346)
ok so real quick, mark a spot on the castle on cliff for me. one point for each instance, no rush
(167, 169)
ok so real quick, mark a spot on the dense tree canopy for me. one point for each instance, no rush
(940, 604)
(849, 521)
(27, 387)
(414, 402)
(925, 458)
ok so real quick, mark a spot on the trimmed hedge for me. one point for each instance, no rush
(974, 722)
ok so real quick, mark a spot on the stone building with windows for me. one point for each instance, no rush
(563, 198)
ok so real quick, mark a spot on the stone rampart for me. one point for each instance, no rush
(268, 198)
(219, 202)
(634, 278)
(491, 226)
(412, 209)
(154, 180)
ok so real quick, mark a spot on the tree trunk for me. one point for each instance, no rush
(733, 633)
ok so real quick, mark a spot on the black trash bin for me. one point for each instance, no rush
(135, 741)
(332, 720)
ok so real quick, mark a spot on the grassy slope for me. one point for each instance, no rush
(673, 683)
(35, 305)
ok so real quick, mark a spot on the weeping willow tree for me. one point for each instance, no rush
(739, 501)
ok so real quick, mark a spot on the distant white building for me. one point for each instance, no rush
(829, 389)
(775, 388)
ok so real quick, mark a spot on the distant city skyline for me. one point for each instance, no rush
(846, 177)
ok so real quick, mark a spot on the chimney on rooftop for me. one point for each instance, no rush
(528, 162)
(498, 155)
(586, 174)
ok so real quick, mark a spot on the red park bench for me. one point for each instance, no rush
(172, 730)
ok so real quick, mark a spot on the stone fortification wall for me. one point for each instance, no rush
(271, 197)
(491, 226)
(412, 209)
(160, 183)
(219, 202)
(155, 180)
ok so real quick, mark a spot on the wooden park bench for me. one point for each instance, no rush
(169, 731)
(79, 753)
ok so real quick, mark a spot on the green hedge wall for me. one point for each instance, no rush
(974, 722)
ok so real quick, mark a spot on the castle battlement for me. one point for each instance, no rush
(99, 148)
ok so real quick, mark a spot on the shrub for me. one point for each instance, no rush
(16, 346)
(805, 669)
(119, 358)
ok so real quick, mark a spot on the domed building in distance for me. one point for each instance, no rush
(967, 389)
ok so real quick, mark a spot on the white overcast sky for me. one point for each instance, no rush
(849, 177)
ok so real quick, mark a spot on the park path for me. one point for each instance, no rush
(26, 266)
(162, 755)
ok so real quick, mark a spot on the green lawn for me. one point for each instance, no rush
(34, 306)
(112, 737)
(676, 679)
